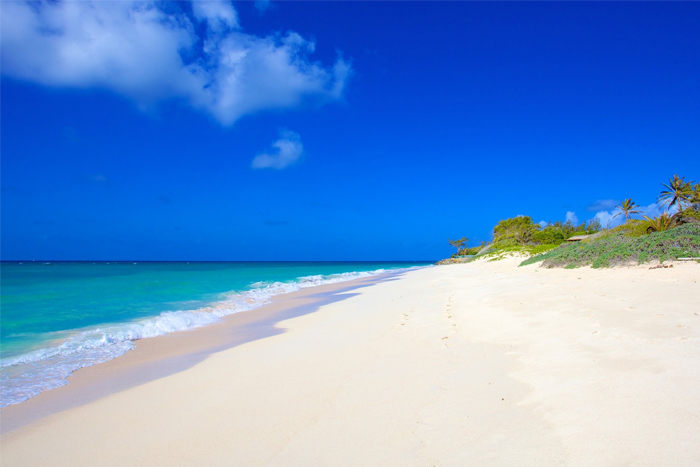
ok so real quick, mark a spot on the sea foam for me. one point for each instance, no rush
(29, 374)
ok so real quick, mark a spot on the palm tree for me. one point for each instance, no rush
(695, 196)
(677, 192)
(661, 223)
(627, 208)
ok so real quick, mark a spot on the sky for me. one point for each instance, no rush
(333, 130)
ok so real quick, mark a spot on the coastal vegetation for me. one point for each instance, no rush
(627, 208)
(621, 248)
(673, 234)
(459, 243)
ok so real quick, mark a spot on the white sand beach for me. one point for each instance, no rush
(483, 364)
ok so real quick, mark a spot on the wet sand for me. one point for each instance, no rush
(165, 355)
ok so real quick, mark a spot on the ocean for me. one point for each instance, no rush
(57, 317)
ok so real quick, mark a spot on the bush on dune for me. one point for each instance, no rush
(619, 248)
(550, 235)
(667, 236)
(473, 250)
(517, 250)
(514, 231)
(689, 215)
(522, 231)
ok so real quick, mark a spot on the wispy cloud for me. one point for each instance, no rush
(603, 205)
(140, 50)
(571, 217)
(286, 151)
(614, 217)
(652, 210)
(219, 15)
(608, 220)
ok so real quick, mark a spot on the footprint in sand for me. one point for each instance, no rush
(405, 316)
(448, 314)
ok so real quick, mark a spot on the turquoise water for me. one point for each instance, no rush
(58, 317)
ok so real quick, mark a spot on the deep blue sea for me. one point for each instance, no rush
(57, 317)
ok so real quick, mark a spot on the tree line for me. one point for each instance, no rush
(522, 231)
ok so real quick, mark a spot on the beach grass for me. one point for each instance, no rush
(624, 247)
(517, 250)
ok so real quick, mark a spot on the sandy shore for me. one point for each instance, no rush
(165, 355)
(468, 364)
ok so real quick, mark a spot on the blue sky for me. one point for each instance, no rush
(333, 130)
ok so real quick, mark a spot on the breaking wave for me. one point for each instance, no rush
(29, 374)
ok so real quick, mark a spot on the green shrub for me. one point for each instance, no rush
(631, 228)
(689, 215)
(471, 251)
(497, 254)
(549, 236)
(620, 247)
(514, 231)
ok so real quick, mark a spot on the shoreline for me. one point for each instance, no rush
(51, 357)
(468, 364)
(160, 356)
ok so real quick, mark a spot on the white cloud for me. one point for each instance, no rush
(287, 150)
(603, 205)
(608, 220)
(149, 52)
(656, 209)
(613, 218)
(219, 15)
(571, 217)
(255, 74)
(126, 47)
